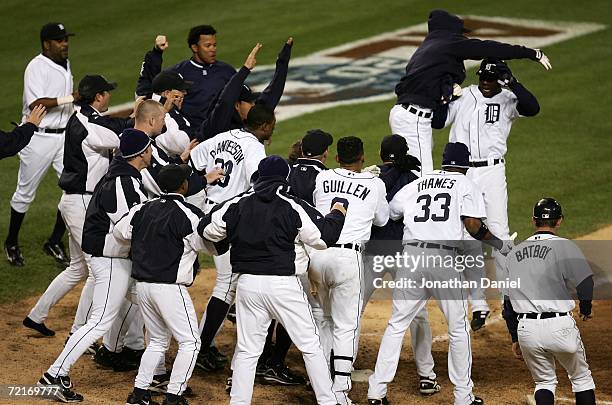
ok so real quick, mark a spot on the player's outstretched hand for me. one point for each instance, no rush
(251, 60)
(290, 41)
(161, 43)
(188, 149)
(543, 59)
(374, 170)
(37, 114)
(214, 175)
(516, 350)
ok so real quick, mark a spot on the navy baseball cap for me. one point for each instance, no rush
(316, 142)
(54, 31)
(393, 147)
(456, 154)
(172, 176)
(273, 166)
(168, 80)
(133, 142)
(489, 68)
(90, 85)
(248, 95)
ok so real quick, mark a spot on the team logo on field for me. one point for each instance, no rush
(368, 69)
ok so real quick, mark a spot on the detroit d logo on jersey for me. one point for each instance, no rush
(492, 113)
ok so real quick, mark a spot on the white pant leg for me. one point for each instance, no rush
(290, 307)
(73, 208)
(158, 336)
(112, 277)
(339, 272)
(539, 361)
(134, 338)
(114, 338)
(34, 161)
(477, 296)
(252, 322)
(422, 340)
(572, 355)
(176, 308)
(454, 305)
(85, 304)
(417, 132)
(322, 309)
(407, 303)
(225, 286)
(492, 183)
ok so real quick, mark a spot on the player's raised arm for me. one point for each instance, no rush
(151, 66)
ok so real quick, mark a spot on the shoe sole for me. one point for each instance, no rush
(59, 397)
(430, 391)
(48, 334)
(277, 381)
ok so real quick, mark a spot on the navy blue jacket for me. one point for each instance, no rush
(438, 61)
(12, 142)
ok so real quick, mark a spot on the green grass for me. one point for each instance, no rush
(564, 152)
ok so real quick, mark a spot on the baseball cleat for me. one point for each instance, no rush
(220, 357)
(160, 383)
(38, 327)
(477, 401)
(132, 356)
(64, 393)
(478, 319)
(281, 375)
(383, 401)
(207, 361)
(14, 255)
(57, 251)
(93, 348)
(138, 398)
(428, 386)
(172, 399)
(228, 384)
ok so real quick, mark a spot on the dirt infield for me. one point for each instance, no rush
(498, 377)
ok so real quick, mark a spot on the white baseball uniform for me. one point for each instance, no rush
(237, 152)
(545, 264)
(414, 124)
(337, 272)
(43, 78)
(432, 208)
(483, 124)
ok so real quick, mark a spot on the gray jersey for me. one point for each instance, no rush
(548, 268)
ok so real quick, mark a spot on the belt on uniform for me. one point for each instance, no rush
(427, 245)
(542, 315)
(482, 163)
(353, 246)
(417, 112)
(51, 130)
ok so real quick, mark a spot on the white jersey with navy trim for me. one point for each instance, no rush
(44, 78)
(545, 265)
(366, 195)
(433, 206)
(238, 152)
(481, 123)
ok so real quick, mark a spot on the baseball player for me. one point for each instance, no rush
(208, 74)
(169, 88)
(268, 286)
(48, 82)
(237, 152)
(165, 246)
(12, 142)
(231, 107)
(432, 72)
(114, 195)
(435, 208)
(397, 171)
(90, 139)
(336, 273)
(481, 119)
(538, 310)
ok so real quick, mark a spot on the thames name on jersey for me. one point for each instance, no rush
(231, 147)
(441, 182)
(340, 186)
(406, 283)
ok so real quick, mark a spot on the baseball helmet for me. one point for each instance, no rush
(490, 68)
(547, 208)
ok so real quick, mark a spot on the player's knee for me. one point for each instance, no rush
(583, 381)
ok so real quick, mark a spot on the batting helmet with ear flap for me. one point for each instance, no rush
(547, 208)
(491, 67)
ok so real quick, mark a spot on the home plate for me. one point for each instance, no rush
(362, 375)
